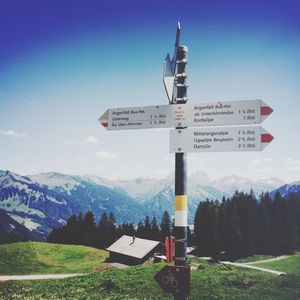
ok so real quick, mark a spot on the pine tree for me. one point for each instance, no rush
(147, 228)
(89, 229)
(291, 219)
(80, 230)
(128, 229)
(197, 228)
(190, 237)
(233, 240)
(155, 232)
(245, 205)
(246, 226)
(103, 235)
(277, 234)
(140, 230)
(112, 229)
(165, 226)
(205, 226)
(222, 224)
(70, 231)
(262, 224)
(55, 236)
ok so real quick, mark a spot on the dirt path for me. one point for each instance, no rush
(267, 260)
(37, 277)
(251, 265)
(242, 265)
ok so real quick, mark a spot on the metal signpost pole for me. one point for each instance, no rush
(180, 229)
(176, 279)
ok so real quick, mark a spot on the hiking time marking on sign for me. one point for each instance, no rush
(219, 139)
(187, 115)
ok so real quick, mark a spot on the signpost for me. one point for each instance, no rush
(180, 198)
(187, 115)
(179, 115)
(220, 139)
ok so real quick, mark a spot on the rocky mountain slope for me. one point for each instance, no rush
(44, 201)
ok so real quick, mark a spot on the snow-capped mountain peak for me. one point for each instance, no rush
(52, 179)
(8, 177)
(287, 189)
(98, 180)
(43, 201)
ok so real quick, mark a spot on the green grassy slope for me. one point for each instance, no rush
(211, 282)
(45, 258)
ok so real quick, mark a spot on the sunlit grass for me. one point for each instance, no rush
(46, 258)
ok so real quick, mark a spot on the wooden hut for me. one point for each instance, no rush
(133, 251)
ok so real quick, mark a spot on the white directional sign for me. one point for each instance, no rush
(137, 117)
(219, 139)
(186, 115)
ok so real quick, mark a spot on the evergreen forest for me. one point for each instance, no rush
(232, 228)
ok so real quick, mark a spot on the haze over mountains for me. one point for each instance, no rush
(43, 201)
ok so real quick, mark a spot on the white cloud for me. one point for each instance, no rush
(12, 133)
(106, 155)
(258, 162)
(268, 159)
(98, 168)
(263, 170)
(63, 162)
(90, 140)
(169, 158)
(293, 164)
(68, 142)
(161, 173)
(255, 162)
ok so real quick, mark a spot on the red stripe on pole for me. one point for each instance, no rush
(266, 137)
(265, 110)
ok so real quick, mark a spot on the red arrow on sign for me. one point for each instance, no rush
(265, 138)
(265, 110)
(104, 119)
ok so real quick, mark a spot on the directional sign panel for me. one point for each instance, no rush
(186, 115)
(174, 279)
(219, 139)
(137, 117)
(228, 113)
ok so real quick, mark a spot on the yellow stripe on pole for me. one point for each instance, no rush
(181, 203)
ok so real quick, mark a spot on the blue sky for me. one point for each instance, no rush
(63, 63)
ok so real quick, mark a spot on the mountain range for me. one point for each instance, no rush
(44, 201)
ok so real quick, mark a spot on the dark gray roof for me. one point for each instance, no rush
(139, 249)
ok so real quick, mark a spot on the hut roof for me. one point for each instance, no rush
(139, 248)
